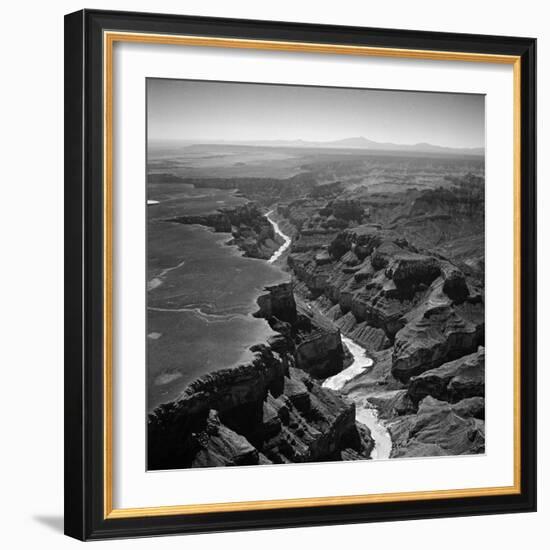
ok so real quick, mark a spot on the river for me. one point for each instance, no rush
(287, 240)
(365, 413)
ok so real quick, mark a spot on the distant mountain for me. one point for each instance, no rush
(359, 142)
(365, 143)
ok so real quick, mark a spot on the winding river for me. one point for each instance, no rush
(287, 240)
(365, 413)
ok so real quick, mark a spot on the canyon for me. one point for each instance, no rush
(376, 347)
(272, 410)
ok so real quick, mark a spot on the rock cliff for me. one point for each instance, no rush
(251, 230)
(269, 411)
(418, 312)
(402, 274)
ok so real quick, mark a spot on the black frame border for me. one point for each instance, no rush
(84, 407)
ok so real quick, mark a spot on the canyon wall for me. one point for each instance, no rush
(250, 229)
(419, 313)
(272, 410)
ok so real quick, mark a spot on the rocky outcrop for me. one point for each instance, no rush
(315, 424)
(251, 230)
(392, 403)
(312, 240)
(452, 381)
(471, 407)
(320, 353)
(437, 429)
(278, 301)
(263, 413)
(219, 221)
(454, 284)
(316, 344)
(315, 276)
(435, 336)
(237, 393)
(409, 270)
(346, 210)
(371, 338)
(449, 220)
(269, 411)
(220, 446)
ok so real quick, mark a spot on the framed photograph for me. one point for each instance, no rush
(300, 274)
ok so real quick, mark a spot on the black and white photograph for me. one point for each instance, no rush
(271, 275)
(315, 274)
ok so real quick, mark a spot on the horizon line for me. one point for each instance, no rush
(251, 142)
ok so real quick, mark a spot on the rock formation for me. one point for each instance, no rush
(438, 428)
(452, 381)
(251, 230)
(402, 274)
(269, 411)
(419, 313)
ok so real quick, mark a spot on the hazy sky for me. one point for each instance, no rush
(210, 111)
